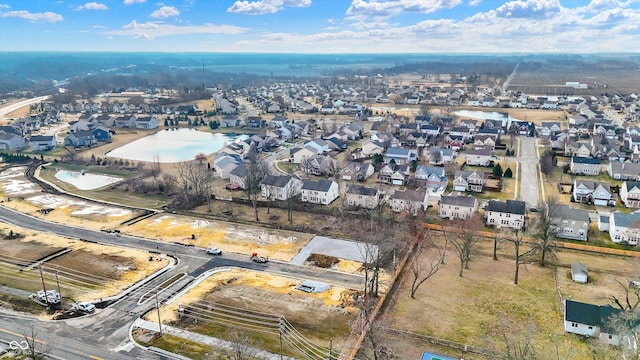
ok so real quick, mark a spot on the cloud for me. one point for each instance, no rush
(265, 6)
(150, 30)
(34, 17)
(165, 12)
(4, 6)
(474, 2)
(386, 8)
(92, 6)
(130, 2)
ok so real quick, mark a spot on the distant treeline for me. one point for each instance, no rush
(13, 158)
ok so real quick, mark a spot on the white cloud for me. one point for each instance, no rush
(130, 2)
(265, 6)
(165, 12)
(386, 8)
(92, 6)
(474, 2)
(150, 30)
(4, 6)
(34, 17)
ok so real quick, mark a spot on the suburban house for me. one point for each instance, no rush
(147, 122)
(280, 187)
(480, 157)
(411, 201)
(569, 223)
(440, 156)
(431, 177)
(579, 273)
(229, 120)
(457, 207)
(394, 174)
(572, 148)
(592, 192)
(548, 128)
(363, 197)
(590, 320)
(319, 146)
(42, 143)
(9, 141)
(585, 166)
(321, 192)
(101, 133)
(370, 148)
(223, 163)
(320, 165)
(468, 181)
(624, 228)
(238, 176)
(125, 121)
(80, 138)
(630, 194)
(503, 214)
(399, 156)
(299, 154)
(624, 171)
(357, 171)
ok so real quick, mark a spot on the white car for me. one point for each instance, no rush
(214, 251)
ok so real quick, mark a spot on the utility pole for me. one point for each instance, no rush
(46, 300)
(158, 309)
(58, 283)
(280, 336)
(330, 349)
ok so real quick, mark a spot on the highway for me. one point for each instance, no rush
(4, 111)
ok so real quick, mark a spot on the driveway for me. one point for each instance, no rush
(528, 178)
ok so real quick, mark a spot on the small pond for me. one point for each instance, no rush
(170, 146)
(85, 181)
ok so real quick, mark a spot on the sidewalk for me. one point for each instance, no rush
(204, 339)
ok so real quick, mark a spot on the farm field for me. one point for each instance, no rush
(551, 81)
(85, 271)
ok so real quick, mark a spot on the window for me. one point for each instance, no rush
(574, 325)
(590, 327)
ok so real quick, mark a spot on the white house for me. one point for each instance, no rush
(363, 197)
(280, 187)
(630, 194)
(624, 228)
(42, 143)
(509, 214)
(592, 192)
(590, 320)
(479, 157)
(457, 207)
(411, 201)
(148, 122)
(319, 192)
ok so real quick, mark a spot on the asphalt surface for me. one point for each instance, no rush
(105, 334)
(528, 160)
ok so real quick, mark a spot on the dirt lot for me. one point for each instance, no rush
(89, 271)
(319, 317)
(480, 307)
(551, 81)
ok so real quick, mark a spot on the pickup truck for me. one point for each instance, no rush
(84, 307)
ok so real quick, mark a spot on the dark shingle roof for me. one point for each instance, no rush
(585, 160)
(320, 185)
(362, 190)
(276, 181)
(589, 314)
(509, 206)
(468, 201)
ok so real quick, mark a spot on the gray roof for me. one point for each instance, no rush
(509, 206)
(625, 168)
(468, 201)
(626, 220)
(589, 314)
(578, 268)
(362, 190)
(279, 181)
(631, 184)
(320, 185)
(412, 195)
(481, 151)
(428, 170)
(567, 212)
(41, 138)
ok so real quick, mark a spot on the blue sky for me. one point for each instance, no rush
(322, 26)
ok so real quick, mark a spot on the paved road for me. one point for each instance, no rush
(528, 160)
(15, 106)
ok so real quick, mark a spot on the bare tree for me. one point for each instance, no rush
(255, 170)
(513, 341)
(291, 190)
(35, 349)
(631, 298)
(375, 341)
(464, 239)
(423, 266)
(517, 239)
(193, 179)
(546, 162)
(240, 347)
(546, 243)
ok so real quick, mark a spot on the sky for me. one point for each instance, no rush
(322, 26)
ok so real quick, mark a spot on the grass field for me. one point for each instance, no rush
(483, 305)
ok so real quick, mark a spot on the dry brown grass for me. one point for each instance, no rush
(468, 310)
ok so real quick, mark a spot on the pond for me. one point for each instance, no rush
(486, 115)
(170, 146)
(86, 181)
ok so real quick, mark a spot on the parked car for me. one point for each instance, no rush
(258, 259)
(232, 187)
(214, 251)
(52, 297)
(84, 307)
